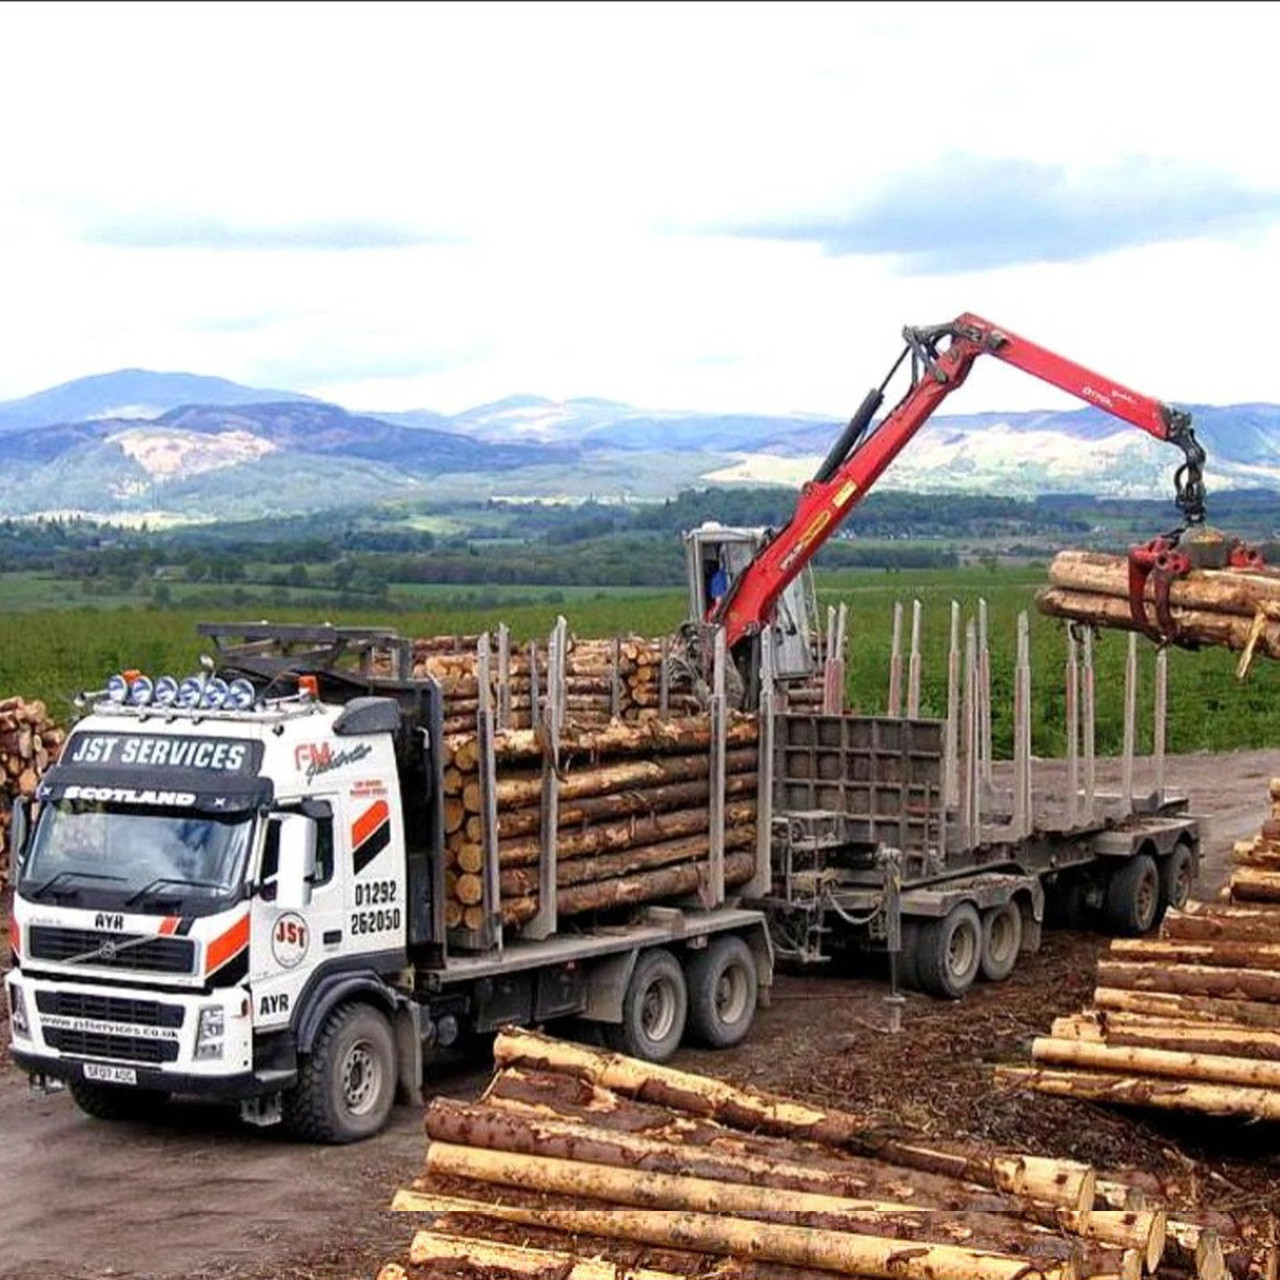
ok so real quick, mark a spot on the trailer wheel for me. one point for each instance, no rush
(1133, 896)
(654, 1009)
(116, 1102)
(1177, 871)
(347, 1084)
(1001, 941)
(723, 985)
(950, 952)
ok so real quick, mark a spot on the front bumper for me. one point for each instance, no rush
(151, 1033)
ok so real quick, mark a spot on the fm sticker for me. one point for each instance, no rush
(290, 939)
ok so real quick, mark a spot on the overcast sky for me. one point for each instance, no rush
(728, 207)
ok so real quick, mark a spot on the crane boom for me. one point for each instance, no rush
(860, 456)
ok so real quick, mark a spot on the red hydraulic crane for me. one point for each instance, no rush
(859, 457)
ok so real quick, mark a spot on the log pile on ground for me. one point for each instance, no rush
(604, 679)
(1189, 1021)
(633, 816)
(29, 744)
(577, 1163)
(1238, 610)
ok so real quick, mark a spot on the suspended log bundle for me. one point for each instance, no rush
(605, 679)
(1189, 1021)
(627, 807)
(595, 1162)
(29, 744)
(1228, 608)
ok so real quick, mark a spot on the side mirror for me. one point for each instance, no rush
(19, 830)
(297, 861)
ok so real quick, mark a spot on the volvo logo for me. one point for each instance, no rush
(107, 951)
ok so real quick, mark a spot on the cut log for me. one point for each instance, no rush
(439, 1252)
(1227, 922)
(740, 781)
(1183, 1036)
(1215, 590)
(648, 886)
(1128, 1060)
(1192, 979)
(1147, 1091)
(1250, 884)
(506, 1129)
(753, 1110)
(636, 830)
(523, 881)
(1220, 954)
(650, 737)
(1142, 1230)
(516, 792)
(1244, 1013)
(1225, 630)
(837, 1251)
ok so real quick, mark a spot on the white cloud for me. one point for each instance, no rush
(522, 179)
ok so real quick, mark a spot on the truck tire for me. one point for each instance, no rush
(347, 1083)
(950, 952)
(1133, 896)
(116, 1102)
(723, 985)
(654, 1009)
(1001, 940)
(909, 956)
(1177, 872)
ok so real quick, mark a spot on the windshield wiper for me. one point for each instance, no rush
(41, 889)
(149, 890)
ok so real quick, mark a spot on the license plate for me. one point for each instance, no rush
(110, 1075)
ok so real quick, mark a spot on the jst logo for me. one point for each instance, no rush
(314, 758)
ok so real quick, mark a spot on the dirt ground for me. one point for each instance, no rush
(195, 1195)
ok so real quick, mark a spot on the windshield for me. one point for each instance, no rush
(135, 854)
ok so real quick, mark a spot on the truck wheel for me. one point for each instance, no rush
(116, 1102)
(347, 1083)
(1177, 871)
(950, 952)
(1001, 940)
(1133, 896)
(654, 1009)
(909, 956)
(723, 985)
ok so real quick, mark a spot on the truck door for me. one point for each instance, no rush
(288, 946)
(371, 858)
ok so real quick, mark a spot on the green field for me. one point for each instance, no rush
(52, 652)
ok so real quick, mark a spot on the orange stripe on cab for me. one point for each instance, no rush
(169, 924)
(369, 821)
(226, 945)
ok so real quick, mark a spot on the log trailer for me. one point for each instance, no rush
(874, 842)
(234, 888)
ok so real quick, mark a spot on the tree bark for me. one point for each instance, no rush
(1161, 1004)
(741, 780)
(649, 886)
(1249, 884)
(1208, 922)
(692, 733)
(1142, 1061)
(1219, 954)
(838, 1251)
(523, 881)
(1139, 1091)
(439, 1252)
(1199, 625)
(1195, 980)
(1148, 1032)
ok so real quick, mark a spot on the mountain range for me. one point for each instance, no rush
(182, 446)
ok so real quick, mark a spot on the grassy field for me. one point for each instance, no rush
(52, 652)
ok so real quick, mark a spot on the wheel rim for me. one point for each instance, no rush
(658, 1012)
(1002, 936)
(1146, 898)
(962, 951)
(732, 995)
(361, 1078)
(1180, 890)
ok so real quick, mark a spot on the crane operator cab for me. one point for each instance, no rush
(715, 555)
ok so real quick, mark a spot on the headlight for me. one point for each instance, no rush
(18, 1012)
(209, 1033)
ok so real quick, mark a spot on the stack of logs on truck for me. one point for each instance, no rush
(29, 743)
(1189, 1021)
(581, 776)
(576, 1163)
